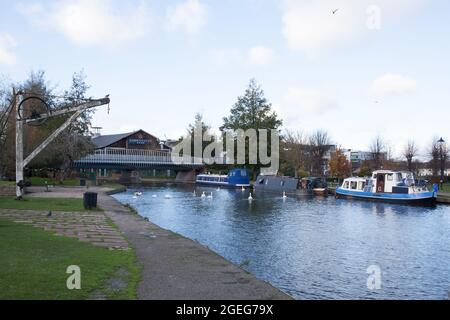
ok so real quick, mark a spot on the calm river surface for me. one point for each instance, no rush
(317, 248)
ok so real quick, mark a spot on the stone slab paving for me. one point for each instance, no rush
(87, 227)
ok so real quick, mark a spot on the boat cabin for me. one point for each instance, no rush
(386, 181)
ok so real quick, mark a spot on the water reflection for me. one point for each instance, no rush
(313, 247)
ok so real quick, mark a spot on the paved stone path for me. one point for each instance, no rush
(92, 227)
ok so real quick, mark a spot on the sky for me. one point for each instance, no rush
(378, 67)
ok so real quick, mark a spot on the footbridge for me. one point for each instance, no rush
(135, 160)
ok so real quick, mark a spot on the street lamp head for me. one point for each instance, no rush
(441, 141)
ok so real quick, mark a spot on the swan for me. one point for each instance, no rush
(250, 198)
(168, 196)
(284, 195)
(203, 195)
(242, 189)
(195, 193)
(154, 196)
(138, 194)
(210, 196)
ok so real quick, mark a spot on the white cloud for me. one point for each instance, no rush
(393, 84)
(226, 56)
(255, 56)
(300, 103)
(29, 9)
(189, 16)
(260, 56)
(310, 26)
(7, 44)
(92, 22)
(309, 100)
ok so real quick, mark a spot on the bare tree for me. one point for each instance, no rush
(294, 151)
(378, 150)
(410, 152)
(439, 154)
(320, 144)
(434, 153)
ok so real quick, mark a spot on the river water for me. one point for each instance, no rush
(313, 248)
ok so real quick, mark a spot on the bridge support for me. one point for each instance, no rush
(129, 177)
(186, 176)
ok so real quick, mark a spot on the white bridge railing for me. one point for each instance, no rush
(138, 157)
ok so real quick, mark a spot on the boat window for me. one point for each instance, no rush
(354, 185)
(399, 177)
(346, 185)
(362, 185)
(390, 177)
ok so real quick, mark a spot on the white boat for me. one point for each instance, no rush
(388, 186)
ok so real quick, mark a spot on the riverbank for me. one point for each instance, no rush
(173, 267)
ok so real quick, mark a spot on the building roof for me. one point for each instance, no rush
(107, 140)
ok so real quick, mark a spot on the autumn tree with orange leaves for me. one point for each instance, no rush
(339, 165)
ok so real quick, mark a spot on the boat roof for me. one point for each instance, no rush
(356, 179)
(388, 171)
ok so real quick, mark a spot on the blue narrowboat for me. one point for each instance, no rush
(236, 178)
(388, 186)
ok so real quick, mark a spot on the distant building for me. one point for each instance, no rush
(136, 140)
(357, 157)
(133, 140)
(428, 172)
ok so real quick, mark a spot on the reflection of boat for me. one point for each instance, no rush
(289, 185)
(388, 186)
(236, 178)
(319, 191)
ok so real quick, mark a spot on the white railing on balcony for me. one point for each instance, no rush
(138, 157)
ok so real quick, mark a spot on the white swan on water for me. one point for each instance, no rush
(210, 196)
(168, 196)
(203, 195)
(138, 194)
(250, 198)
(154, 196)
(284, 195)
(242, 189)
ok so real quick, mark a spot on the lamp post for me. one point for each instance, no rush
(442, 158)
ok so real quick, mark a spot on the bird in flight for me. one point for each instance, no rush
(334, 11)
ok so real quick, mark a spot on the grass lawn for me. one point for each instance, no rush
(7, 183)
(43, 204)
(446, 188)
(37, 181)
(34, 263)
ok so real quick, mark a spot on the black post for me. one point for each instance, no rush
(442, 158)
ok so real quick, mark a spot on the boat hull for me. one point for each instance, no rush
(221, 184)
(422, 199)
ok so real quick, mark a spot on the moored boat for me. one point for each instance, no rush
(388, 186)
(236, 178)
(290, 185)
